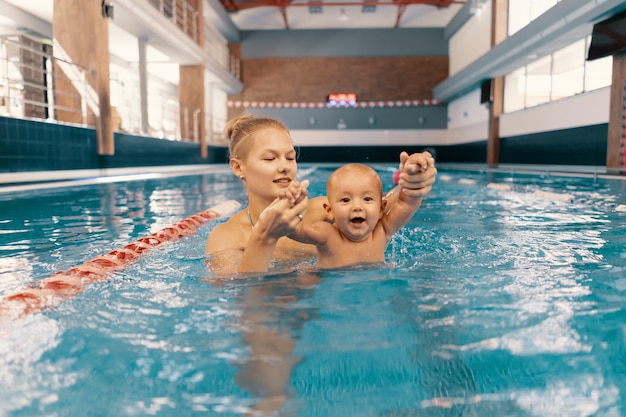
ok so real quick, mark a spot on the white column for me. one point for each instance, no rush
(143, 84)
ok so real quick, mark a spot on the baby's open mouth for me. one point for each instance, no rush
(357, 220)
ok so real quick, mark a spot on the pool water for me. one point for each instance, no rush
(504, 296)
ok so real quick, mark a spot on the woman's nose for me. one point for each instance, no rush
(284, 165)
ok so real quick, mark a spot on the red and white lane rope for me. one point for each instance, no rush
(50, 291)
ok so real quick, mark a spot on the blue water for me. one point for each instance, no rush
(494, 302)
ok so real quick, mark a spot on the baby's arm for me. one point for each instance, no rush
(408, 200)
(313, 233)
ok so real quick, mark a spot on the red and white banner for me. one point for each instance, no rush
(318, 105)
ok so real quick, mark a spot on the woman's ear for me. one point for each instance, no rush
(235, 166)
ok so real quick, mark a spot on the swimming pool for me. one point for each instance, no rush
(504, 296)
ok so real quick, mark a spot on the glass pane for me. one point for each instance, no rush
(538, 81)
(539, 7)
(519, 15)
(570, 57)
(598, 73)
(124, 92)
(514, 90)
(567, 83)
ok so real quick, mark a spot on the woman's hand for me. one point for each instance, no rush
(417, 173)
(284, 214)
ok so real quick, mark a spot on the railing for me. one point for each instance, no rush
(217, 48)
(588, 171)
(181, 13)
(34, 84)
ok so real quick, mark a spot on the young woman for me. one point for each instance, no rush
(262, 155)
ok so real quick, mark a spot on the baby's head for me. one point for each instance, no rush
(355, 200)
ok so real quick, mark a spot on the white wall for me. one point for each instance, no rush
(376, 137)
(581, 110)
(471, 41)
(468, 120)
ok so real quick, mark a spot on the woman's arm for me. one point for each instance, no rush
(277, 220)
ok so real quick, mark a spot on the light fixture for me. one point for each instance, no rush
(342, 15)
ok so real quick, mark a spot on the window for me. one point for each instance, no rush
(522, 12)
(538, 81)
(564, 73)
(568, 65)
(598, 72)
(515, 90)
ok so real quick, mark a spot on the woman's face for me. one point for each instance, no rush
(270, 164)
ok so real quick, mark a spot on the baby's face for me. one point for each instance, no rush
(356, 204)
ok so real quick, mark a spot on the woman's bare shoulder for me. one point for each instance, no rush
(228, 235)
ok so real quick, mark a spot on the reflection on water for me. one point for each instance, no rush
(271, 320)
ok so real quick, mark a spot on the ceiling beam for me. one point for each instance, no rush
(234, 6)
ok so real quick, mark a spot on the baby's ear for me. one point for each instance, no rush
(329, 212)
(383, 206)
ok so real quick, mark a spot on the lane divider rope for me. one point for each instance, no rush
(50, 291)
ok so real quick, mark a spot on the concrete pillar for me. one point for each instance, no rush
(191, 99)
(81, 38)
(616, 142)
(499, 32)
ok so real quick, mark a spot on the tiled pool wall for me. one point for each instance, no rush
(28, 145)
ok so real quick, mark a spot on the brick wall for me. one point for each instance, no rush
(311, 79)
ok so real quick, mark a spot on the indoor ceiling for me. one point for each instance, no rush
(317, 14)
(278, 15)
(340, 14)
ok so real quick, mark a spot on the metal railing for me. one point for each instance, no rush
(587, 171)
(35, 84)
(217, 48)
(181, 13)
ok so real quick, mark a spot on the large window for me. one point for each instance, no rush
(564, 73)
(568, 71)
(538, 82)
(522, 12)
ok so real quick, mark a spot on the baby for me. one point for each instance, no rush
(361, 226)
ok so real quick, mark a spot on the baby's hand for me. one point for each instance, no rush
(295, 192)
(415, 163)
(417, 174)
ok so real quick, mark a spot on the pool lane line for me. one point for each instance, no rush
(49, 292)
